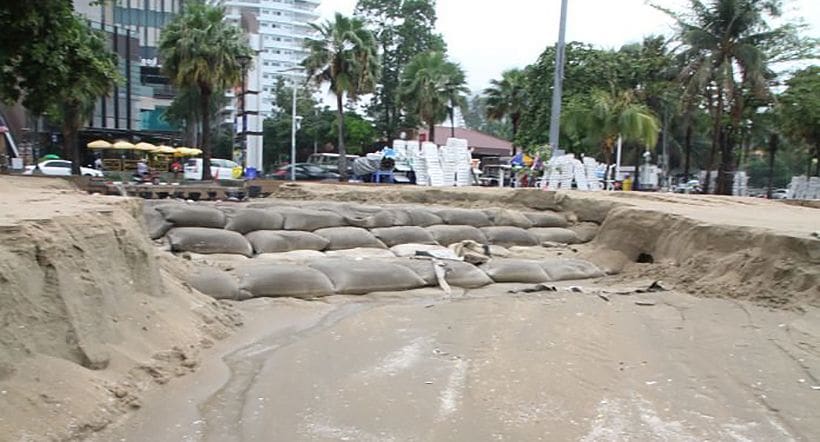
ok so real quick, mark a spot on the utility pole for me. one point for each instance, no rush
(558, 86)
(293, 137)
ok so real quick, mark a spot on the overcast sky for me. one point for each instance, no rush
(488, 36)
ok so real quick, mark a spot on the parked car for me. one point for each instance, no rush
(60, 168)
(221, 169)
(691, 186)
(330, 161)
(304, 172)
(780, 194)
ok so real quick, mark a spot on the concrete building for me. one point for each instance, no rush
(282, 28)
(133, 28)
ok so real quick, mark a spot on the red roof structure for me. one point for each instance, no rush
(481, 143)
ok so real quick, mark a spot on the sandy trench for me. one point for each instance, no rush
(709, 359)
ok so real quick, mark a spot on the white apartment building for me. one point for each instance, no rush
(282, 26)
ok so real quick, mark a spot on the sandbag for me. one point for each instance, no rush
(546, 219)
(309, 220)
(585, 232)
(276, 241)
(354, 277)
(446, 235)
(292, 256)
(384, 218)
(206, 241)
(570, 269)
(554, 234)
(515, 270)
(417, 216)
(392, 236)
(155, 223)
(408, 250)
(361, 253)
(508, 236)
(281, 279)
(456, 273)
(190, 215)
(251, 220)
(475, 218)
(221, 261)
(475, 253)
(349, 238)
(506, 217)
(214, 283)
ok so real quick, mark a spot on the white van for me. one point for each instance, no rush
(220, 169)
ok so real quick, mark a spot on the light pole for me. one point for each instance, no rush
(558, 85)
(293, 137)
(244, 61)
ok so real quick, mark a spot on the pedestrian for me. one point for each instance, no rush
(176, 168)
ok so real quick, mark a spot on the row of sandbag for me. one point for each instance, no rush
(313, 216)
(328, 276)
(212, 240)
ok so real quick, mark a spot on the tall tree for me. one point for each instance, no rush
(344, 56)
(606, 115)
(799, 109)
(429, 85)
(507, 99)
(56, 63)
(732, 41)
(402, 28)
(201, 50)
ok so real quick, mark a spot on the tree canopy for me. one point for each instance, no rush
(343, 56)
(200, 50)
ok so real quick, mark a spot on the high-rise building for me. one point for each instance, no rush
(133, 29)
(283, 26)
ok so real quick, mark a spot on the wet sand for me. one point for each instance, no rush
(490, 365)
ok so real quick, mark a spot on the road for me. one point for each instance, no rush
(490, 365)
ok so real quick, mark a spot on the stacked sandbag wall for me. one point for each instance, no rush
(323, 248)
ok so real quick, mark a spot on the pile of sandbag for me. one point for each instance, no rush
(315, 249)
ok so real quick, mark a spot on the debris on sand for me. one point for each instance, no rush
(534, 289)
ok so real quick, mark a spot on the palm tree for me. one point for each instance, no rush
(432, 87)
(605, 116)
(726, 44)
(507, 98)
(200, 50)
(345, 56)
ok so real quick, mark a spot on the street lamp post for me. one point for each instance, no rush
(293, 138)
(244, 61)
(558, 85)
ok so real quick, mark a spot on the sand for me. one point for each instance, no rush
(101, 340)
(490, 365)
(90, 314)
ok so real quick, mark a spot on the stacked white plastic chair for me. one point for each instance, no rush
(464, 161)
(449, 159)
(432, 163)
(740, 186)
(591, 171)
(417, 162)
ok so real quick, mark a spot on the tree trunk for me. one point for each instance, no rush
(342, 149)
(205, 107)
(515, 122)
(636, 183)
(687, 147)
(717, 129)
(773, 140)
(727, 163)
(71, 146)
(452, 119)
(816, 157)
(432, 137)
